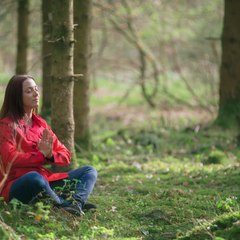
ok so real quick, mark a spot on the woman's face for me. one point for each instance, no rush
(30, 95)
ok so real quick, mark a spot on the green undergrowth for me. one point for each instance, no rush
(157, 179)
(182, 185)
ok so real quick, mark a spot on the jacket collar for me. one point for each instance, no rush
(37, 119)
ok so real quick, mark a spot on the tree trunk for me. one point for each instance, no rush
(62, 77)
(229, 103)
(46, 57)
(82, 54)
(22, 45)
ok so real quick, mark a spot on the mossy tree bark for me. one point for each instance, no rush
(62, 77)
(229, 103)
(82, 53)
(22, 45)
(46, 56)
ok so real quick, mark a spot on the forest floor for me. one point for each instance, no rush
(162, 174)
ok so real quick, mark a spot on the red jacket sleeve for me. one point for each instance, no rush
(9, 151)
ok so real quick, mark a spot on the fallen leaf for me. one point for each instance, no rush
(145, 232)
(185, 184)
(37, 217)
(236, 223)
(149, 176)
(198, 178)
(181, 151)
(113, 210)
(137, 165)
(202, 220)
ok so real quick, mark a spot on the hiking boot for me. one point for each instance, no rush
(89, 206)
(74, 210)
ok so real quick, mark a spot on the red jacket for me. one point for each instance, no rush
(24, 150)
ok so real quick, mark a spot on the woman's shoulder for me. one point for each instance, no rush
(7, 121)
(6, 126)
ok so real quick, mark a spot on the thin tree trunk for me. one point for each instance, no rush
(82, 53)
(229, 91)
(62, 77)
(46, 56)
(22, 45)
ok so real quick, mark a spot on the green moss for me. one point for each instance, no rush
(229, 114)
(116, 168)
(227, 219)
(216, 157)
(221, 226)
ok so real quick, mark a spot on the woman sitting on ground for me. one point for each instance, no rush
(27, 142)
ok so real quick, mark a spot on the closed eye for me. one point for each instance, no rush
(31, 89)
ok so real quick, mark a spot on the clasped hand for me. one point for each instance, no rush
(45, 145)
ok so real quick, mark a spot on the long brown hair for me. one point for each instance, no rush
(13, 101)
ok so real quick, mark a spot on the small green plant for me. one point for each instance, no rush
(42, 211)
(110, 142)
(228, 204)
(95, 159)
(98, 232)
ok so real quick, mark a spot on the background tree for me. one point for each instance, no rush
(22, 45)
(46, 56)
(229, 91)
(62, 76)
(82, 53)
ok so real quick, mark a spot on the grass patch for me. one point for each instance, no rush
(143, 192)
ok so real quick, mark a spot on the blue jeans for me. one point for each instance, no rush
(81, 181)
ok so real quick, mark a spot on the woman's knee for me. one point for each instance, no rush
(36, 180)
(92, 171)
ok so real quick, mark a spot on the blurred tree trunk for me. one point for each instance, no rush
(62, 77)
(22, 45)
(46, 56)
(229, 103)
(82, 54)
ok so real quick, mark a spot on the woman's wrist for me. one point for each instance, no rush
(50, 160)
(43, 153)
(49, 156)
